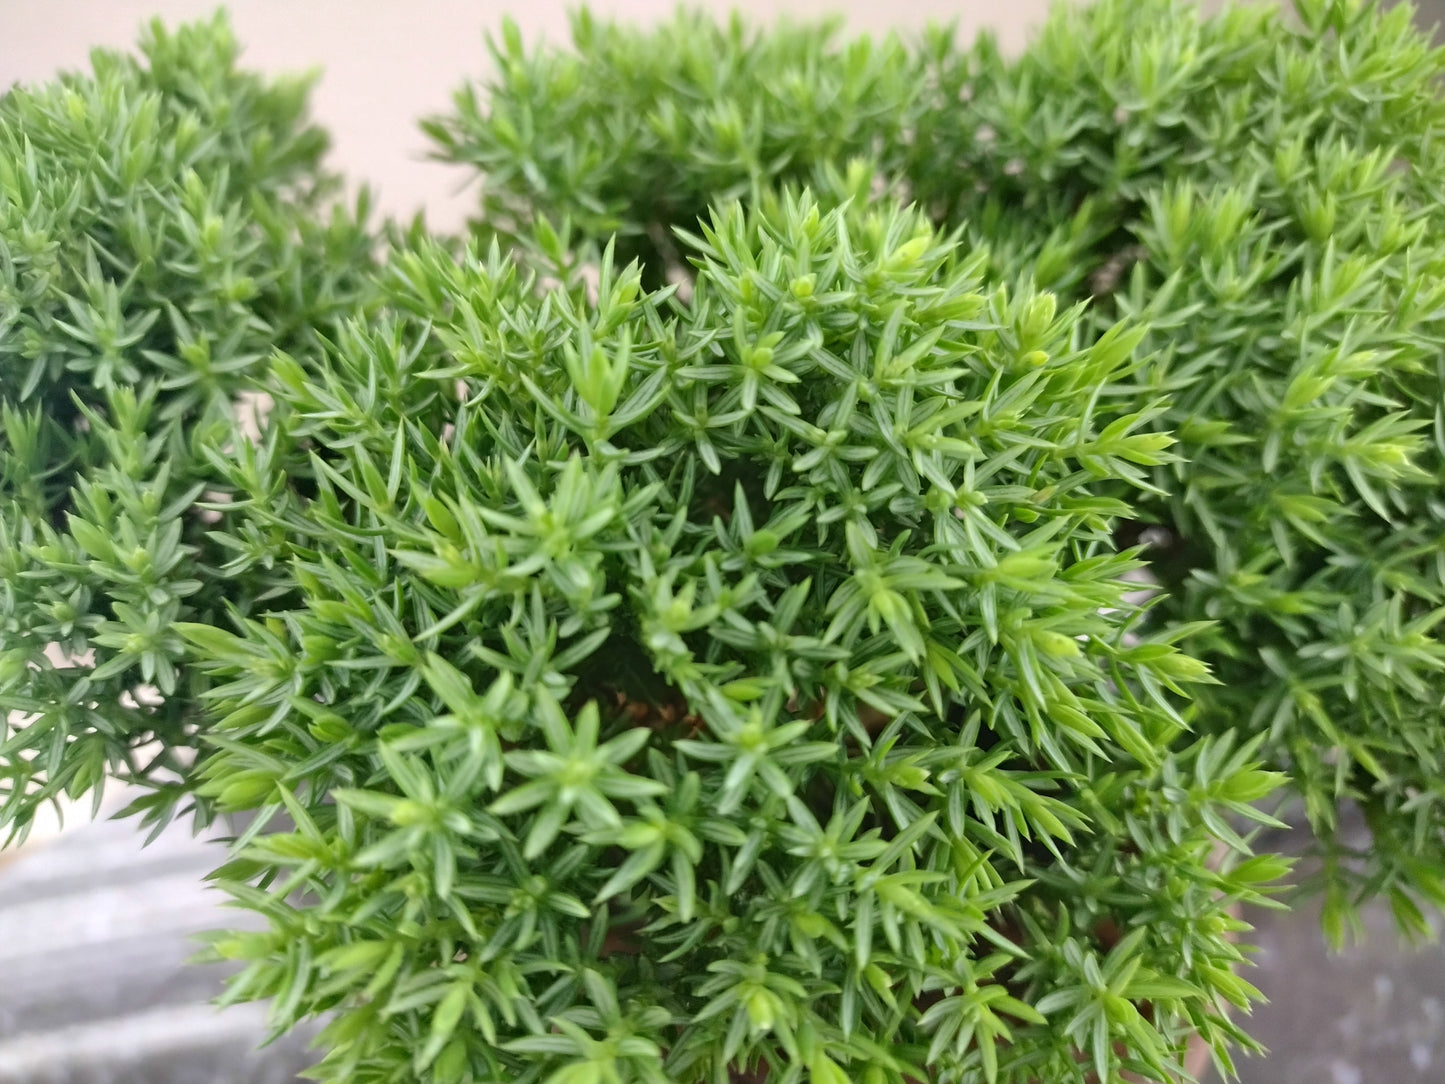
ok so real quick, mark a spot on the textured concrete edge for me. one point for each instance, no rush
(127, 1042)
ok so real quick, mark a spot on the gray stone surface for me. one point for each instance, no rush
(95, 985)
(1373, 1013)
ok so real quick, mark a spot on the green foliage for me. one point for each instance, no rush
(1260, 197)
(160, 231)
(635, 133)
(671, 690)
(735, 617)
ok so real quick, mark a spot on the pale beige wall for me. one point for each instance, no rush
(388, 62)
